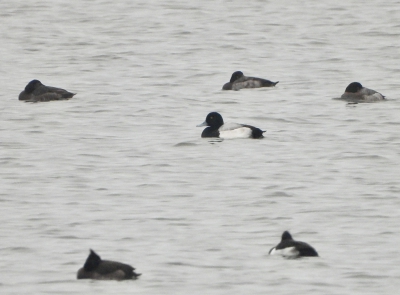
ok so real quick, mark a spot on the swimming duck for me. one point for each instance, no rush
(239, 81)
(35, 91)
(97, 269)
(217, 128)
(356, 92)
(291, 248)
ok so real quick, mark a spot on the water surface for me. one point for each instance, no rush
(121, 167)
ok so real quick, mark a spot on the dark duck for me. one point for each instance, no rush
(292, 249)
(239, 81)
(97, 269)
(35, 91)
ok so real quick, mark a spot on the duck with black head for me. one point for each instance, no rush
(239, 81)
(97, 269)
(35, 91)
(355, 92)
(290, 248)
(217, 128)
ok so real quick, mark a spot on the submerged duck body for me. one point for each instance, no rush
(355, 92)
(291, 248)
(217, 128)
(35, 91)
(97, 269)
(239, 81)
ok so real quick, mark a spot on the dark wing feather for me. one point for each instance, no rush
(108, 267)
(47, 97)
(262, 82)
(61, 93)
(251, 82)
(305, 249)
(256, 132)
(64, 93)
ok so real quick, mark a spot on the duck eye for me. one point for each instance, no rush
(211, 118)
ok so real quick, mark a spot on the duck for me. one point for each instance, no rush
(35, 91)
(292, 249)
(97, 269)
(217, 128)
(239, 81)
(358, 93)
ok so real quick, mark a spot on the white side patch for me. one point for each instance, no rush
(242, 132)
(230, 126)
(290, 252)
(375, 97)
(370, 94)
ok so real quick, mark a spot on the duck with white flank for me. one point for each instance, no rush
(355, 92)
(292, 249)
(217, 128)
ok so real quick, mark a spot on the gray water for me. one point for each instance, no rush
(121, 167)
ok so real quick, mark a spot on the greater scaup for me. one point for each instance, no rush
(355, 92)
(239, 81)
(291, 248)
(97, 269)
(35, 91)
(217, 128)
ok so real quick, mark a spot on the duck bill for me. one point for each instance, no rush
(202, 124)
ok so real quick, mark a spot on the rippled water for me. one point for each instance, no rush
(121, 167)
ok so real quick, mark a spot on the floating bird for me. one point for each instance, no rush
(217, 128)
(355, 92)
(239, 81)
(97, 269)
(291, 248)
(35, 91)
